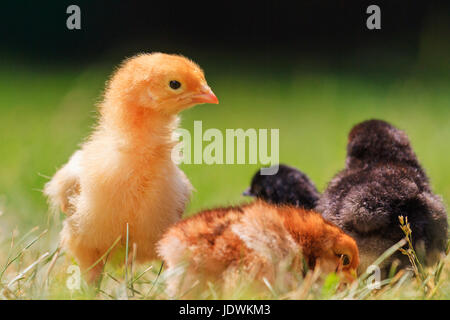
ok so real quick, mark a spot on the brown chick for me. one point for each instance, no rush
(215, 245)
(123, 174)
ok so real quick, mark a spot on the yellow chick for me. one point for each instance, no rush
(123, 174)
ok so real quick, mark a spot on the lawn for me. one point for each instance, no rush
(45, 112)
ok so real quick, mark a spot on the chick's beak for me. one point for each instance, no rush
(350, 275)
(247, 193)
(206, 96)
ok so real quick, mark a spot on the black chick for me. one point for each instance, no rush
(287, 186)
(382, 180)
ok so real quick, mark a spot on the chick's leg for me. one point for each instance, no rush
(90, 264)
(88, 258)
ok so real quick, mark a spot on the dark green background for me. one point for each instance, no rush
(312, 70)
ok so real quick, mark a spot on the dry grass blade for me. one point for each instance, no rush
(269, 286)
(104, 255)
(384, 256)
(141, 274)
(51, 265)
(156, 280)
(22, 252)
(22, 274)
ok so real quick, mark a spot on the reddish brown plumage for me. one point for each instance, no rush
(255, 239)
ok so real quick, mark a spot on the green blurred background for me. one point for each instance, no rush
(311, 71)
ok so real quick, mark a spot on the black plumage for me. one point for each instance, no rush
(382, 180)
(287, 186)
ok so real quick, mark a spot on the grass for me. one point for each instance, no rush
(46, 113)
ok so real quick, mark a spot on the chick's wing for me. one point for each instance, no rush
(64, 187)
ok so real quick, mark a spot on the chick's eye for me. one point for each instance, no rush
(345, 260)
(174, 84)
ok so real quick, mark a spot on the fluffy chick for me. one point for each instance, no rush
(382, 180)
(123, 174)
(255, 239)
(288, 186)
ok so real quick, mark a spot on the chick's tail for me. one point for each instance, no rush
(377, 204)
(63, 188)
(376, 207)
